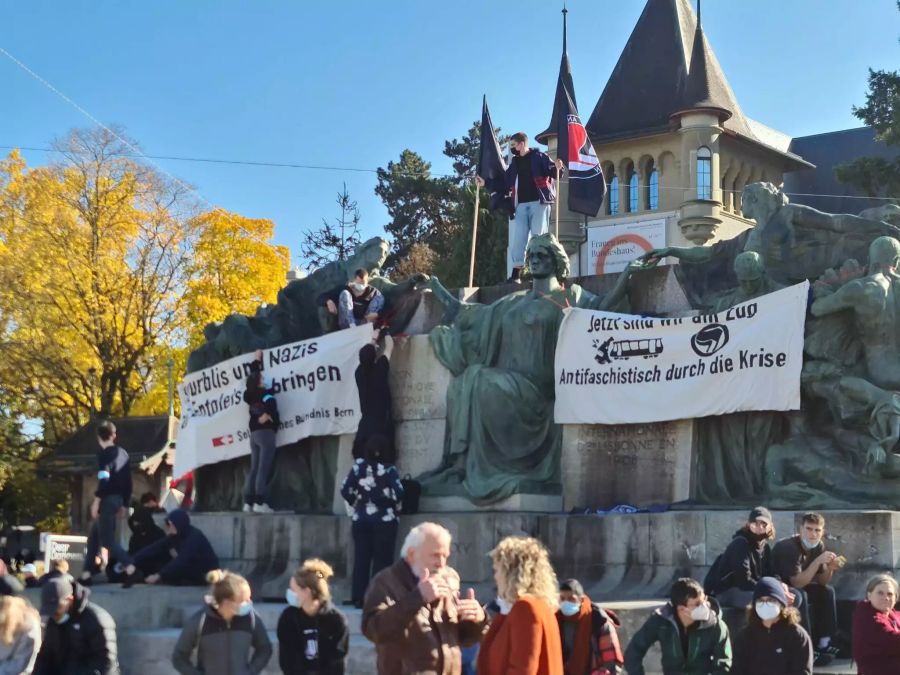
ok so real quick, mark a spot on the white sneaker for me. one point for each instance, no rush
(248, 508)
(263, 508)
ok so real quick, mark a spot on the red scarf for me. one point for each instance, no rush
(580, 658)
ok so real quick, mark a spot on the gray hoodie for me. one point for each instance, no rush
(18, 658)
(222, 648)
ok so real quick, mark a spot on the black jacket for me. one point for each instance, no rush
(313, 644)
(261, 402)
(144, 531)
(83, 645)
(114, 460)
(195, 555)
(784, 649)
(743, 563)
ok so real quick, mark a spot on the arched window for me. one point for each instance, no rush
(652, 188)
(613, 203)
(704, 173)
(633, 191)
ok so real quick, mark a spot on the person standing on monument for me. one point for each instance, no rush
(313, 636)
(110, 502)
(530, 179)
(690, 631)
(803, 562)
(260, 398)
(416, 621)
(373, 385)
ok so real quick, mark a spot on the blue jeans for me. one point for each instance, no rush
(531, 219)
(262, 458)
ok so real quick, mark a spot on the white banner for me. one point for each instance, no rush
(314, 386)
(622, 369)
(612, 247)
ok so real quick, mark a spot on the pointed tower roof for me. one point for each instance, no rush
(668, 68)
(565, 74)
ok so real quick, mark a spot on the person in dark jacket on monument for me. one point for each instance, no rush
(372, 383)
(260, 399)
(183, 558)
(747, 559)
(772, 642)
(313, 636)
(359, 303)
(79, 636)
(227, 635)
(144, 530)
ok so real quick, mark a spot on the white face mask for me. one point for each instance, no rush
(701, 612)
(504, 605)
(767, 610)
(359, 288)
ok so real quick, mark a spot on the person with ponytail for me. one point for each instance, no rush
(313, 636)
(20, 636)
(772, 642)
(227, 634)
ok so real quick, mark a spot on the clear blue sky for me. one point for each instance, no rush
(353, 82)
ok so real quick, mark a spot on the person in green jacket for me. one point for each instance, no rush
(691, 633)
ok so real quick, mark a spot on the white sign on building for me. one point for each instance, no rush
(612, 247)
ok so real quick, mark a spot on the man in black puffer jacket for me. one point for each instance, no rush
(80, 637)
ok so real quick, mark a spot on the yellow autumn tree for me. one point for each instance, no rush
(235, 268)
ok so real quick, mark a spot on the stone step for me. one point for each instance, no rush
(149, 652)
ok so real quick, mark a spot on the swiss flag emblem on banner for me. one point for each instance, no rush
(219, 441)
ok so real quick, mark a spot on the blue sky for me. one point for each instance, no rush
(351, 83)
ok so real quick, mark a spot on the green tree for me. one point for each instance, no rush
(876, 175)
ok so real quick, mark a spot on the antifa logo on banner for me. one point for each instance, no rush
(709, 339)
(583, 162)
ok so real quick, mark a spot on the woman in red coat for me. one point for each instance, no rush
(524, 637)
(876, 628)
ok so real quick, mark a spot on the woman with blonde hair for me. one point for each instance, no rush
(312, 633)
(524, 637)
(876, 628)
(224, 632)
(20, 636)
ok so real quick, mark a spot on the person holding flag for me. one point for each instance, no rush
(529, 181)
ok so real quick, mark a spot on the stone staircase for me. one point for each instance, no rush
(149, 621)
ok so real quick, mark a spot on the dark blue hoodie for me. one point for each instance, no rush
(194, 557)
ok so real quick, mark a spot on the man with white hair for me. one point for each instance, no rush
(412, 614)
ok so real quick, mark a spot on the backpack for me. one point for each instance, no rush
(713, 580)
(412, 490)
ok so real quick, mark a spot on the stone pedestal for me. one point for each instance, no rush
(638, 464)
(524, 503)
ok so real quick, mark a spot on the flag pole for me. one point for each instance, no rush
(474, 235)
(558, 197)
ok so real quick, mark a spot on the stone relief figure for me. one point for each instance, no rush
(731, 449)
(296, 315)
(796, 242)
(501, 439)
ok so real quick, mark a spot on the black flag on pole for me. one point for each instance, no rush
(491, 166)
(586, 184)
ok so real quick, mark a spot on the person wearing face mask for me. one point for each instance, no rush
(312, 633)
(590, 641)
(733, 575)
(690, 631)
(803, 562)
(184, 558)
(772, 642)
(79, 636)
(531, 182)
(876, 628)
(359, 303)
(260, 399)
(227, 635)
(417, 622)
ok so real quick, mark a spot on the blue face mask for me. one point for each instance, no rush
(291, 598)
(267, 382)
(245, 608)
(809, 544)
(569, 608)
(63, 620)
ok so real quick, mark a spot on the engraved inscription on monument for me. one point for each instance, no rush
(418, 381)
(639, 464)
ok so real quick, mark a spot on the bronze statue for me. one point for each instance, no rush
(501, 439)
